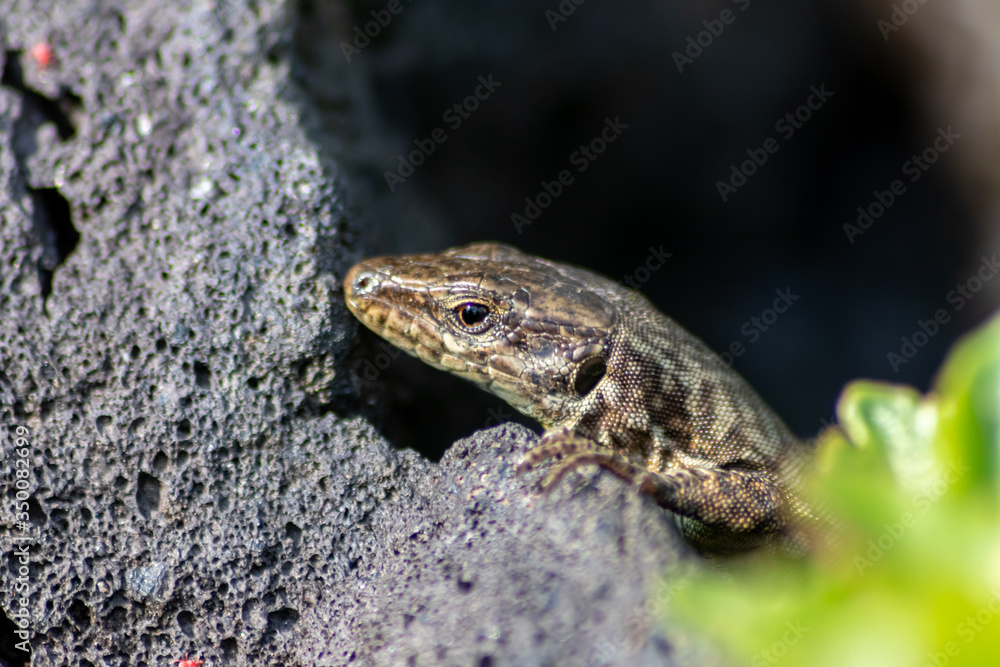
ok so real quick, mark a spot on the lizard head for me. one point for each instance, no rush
(533, 332)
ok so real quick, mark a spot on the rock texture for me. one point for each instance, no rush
(202, 478)
(477, 570)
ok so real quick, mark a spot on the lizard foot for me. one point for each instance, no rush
(557, 444)
(574, 451)
(613, 463)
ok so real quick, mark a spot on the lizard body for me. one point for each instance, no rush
(614, 382)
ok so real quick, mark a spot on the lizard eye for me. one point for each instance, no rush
(589, 374)
(473, 316)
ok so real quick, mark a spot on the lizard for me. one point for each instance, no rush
(613, 381)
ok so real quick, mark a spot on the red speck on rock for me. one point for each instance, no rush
(42, 53)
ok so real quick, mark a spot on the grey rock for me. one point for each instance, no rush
(481, 570)
(201, 479)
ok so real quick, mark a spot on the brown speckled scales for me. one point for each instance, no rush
(614, 382)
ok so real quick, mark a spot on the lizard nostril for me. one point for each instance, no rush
(365, 283)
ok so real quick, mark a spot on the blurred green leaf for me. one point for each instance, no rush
(912, 486)
(968, 394)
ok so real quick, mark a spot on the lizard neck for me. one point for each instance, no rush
(668, 399)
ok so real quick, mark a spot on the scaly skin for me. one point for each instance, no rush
(614, 382)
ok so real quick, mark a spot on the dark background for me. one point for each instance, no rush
(656, 184)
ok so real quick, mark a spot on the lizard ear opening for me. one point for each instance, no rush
(589, 374)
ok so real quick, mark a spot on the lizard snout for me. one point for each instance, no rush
(360, 284)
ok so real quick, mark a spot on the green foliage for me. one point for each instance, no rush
(911, 485)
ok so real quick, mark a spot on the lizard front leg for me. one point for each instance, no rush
(575, 450)
(712, 504)
(719, 509)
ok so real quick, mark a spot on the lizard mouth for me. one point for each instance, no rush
(405, 315)
(377, 301)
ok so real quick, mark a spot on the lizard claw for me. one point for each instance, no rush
(557, 444)
(573, 449)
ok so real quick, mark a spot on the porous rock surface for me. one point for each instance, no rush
(172, 334)
(477, 570)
